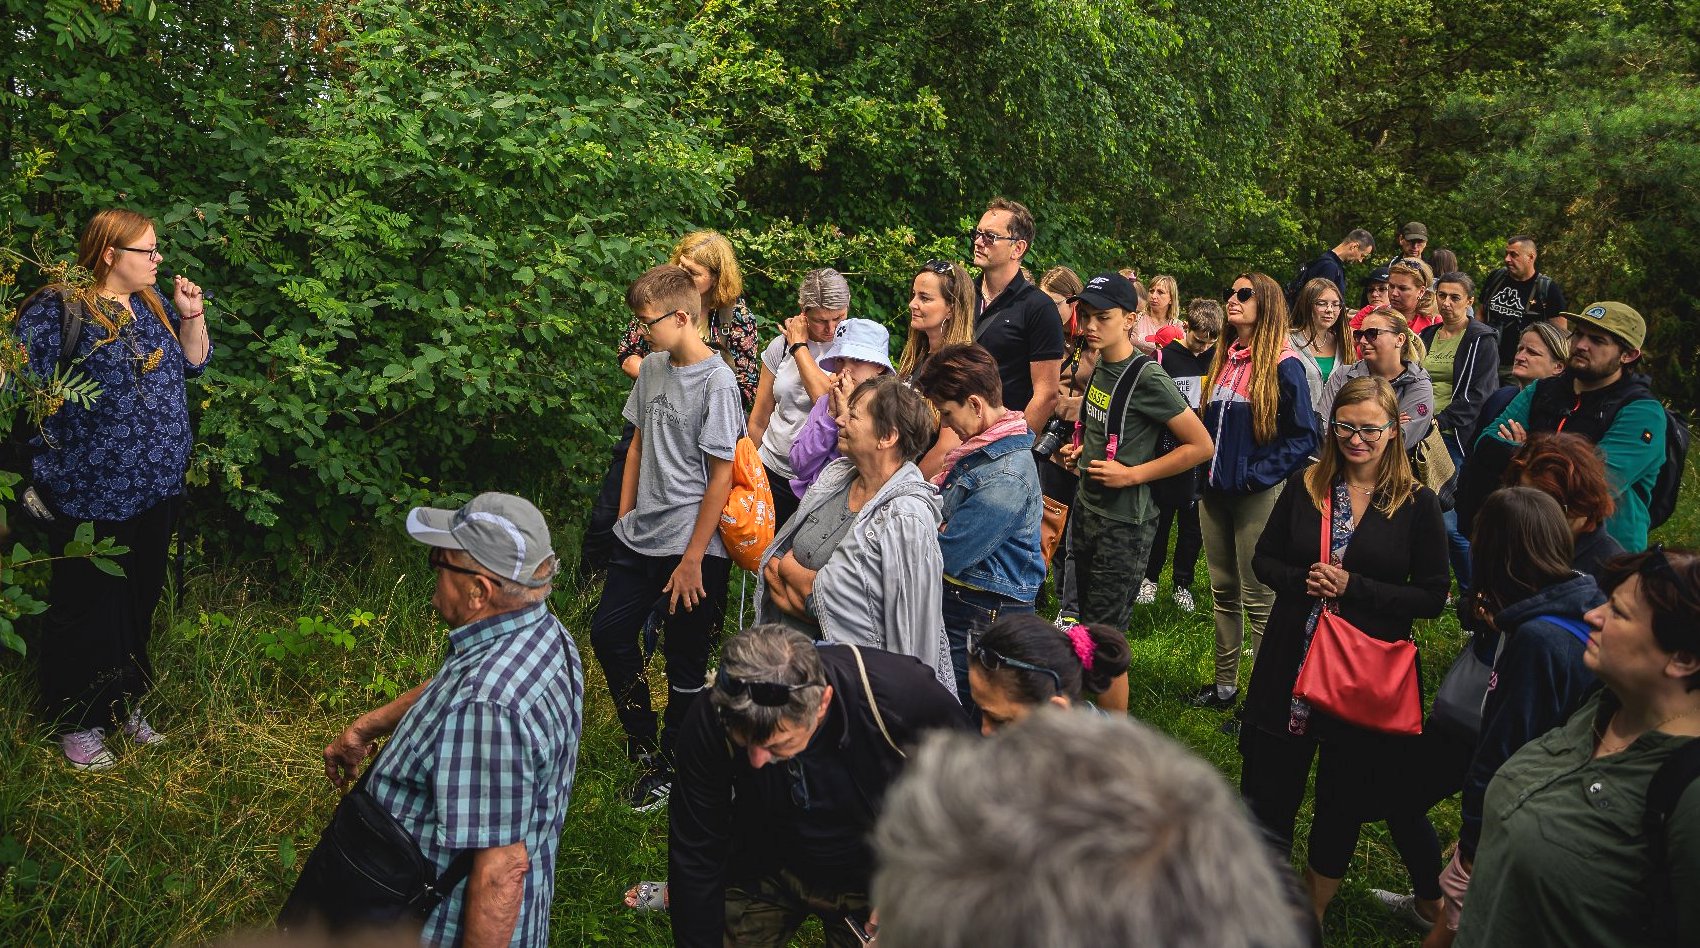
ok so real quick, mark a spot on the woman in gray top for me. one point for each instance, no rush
(1389, 350)
(859, 563)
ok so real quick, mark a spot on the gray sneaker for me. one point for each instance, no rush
(1403, 907)
(137, 729)
(1147, 593)
(86, 750)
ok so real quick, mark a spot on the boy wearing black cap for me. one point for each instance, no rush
(1114, 518)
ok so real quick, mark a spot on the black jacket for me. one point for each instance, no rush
(1475, 376)
(723, 813)
(1398, 575)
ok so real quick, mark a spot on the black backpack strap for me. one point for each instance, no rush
(1116, 416)
(1674, 776)
(72, 315)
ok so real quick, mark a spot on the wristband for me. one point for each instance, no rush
(793, 347)
(185, 318)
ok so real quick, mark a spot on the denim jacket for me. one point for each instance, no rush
(992, 509)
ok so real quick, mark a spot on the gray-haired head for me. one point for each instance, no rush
(1072, 829)
(768, 653)
(825, 288)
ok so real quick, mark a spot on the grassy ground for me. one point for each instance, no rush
(184, 842)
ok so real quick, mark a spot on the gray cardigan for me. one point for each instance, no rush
(883, 587)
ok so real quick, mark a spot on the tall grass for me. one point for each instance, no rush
(194, 838)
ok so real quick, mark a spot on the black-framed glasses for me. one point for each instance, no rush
(992, 661)
(1371, 334)
(1203, 334)
(152, 253)
(940, 267)
(977, 235)
(440, 560)
(645, 325)
(1243, 294)
(1370, 433)
(768, 694)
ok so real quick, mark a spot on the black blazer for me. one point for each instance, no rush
(1398, 573)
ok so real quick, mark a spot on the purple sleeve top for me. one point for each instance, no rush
(816, 445)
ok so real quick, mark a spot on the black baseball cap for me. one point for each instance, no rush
(1108, 291)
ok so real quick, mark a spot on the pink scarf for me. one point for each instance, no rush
(1012, 422)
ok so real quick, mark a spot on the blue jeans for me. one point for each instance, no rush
(968, 612)
(1457, 544)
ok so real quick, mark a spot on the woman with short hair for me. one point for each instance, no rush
(1022, 663)
(992, 507)
(1564, 857)
(792, 378)
(117, 462)
(859, 562)
(1570, 469)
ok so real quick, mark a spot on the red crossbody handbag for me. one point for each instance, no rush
(1356, 677)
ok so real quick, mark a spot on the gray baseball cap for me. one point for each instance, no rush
(503, 533)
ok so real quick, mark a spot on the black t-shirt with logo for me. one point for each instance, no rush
(1511, 305)
(1019, 328)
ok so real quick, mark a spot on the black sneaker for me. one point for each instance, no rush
(1210, 696)
(654, 785)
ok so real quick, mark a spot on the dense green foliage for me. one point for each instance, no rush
(417, 218)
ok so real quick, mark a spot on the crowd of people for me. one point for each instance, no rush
(1344, 474)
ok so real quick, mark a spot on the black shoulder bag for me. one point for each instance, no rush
(367, 872)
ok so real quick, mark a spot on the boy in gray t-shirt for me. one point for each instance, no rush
(689, 417)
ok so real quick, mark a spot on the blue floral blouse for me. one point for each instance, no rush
(130, 451)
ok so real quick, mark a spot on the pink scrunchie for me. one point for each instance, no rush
(1081, 639)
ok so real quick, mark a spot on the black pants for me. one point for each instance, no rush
(784, 502)
(1188, 542)
(93, 656)
(633, 584)
(1349, 787)
(598, 542)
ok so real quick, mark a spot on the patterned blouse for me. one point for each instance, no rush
(1339, 536)
(734, 333)
(129, 451)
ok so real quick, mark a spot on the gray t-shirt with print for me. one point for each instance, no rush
(686, 414)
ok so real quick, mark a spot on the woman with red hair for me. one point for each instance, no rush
(117, 461)
(1569, 468)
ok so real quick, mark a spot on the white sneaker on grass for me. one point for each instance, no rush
(1147, 593)
(1183, 599)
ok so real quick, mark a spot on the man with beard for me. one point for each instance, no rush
(1600, 397)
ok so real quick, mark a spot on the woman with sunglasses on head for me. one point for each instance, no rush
(1320, 334)
(1384, 568)
(792, 379)
(1525, 611)
(1410, 290)
(1257, 411)
(1022, 663)
(117, 462)
(941, 313)
(1542, 352)
(1389, 351)
(1567, 854)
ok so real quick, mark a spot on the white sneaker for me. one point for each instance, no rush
(1147, 593)
(1183, 599)
(86, 750)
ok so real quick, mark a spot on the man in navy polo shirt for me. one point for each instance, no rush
(1014, 320)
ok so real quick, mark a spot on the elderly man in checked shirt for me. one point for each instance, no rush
(482, 755)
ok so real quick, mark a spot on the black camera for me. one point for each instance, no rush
(1057, 430)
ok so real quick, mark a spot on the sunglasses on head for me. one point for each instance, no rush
(940, 267)
(1243, 294)
(768, 694)
(992, 661)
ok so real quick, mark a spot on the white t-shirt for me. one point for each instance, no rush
(791, 404)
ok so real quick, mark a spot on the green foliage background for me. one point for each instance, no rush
(418, 218)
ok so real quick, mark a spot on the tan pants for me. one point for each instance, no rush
(1232, 524)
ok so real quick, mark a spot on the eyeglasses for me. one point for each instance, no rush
(1243, 294)
(1202, 334)
(940, 267)
(645, 325)
(768, 694)
(440, 560)
(1370, 433)
(1371, 334)
(1327, 304)
(992, 661)
(152, 253)
(975, 236)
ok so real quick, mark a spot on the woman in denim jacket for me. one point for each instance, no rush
(992, 500)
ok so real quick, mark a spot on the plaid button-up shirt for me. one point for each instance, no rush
(485, 758)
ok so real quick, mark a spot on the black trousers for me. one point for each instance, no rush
(785, 503)
(597, 544)
(1188, 543)
(93, 656)
(628, 594)
(1349, 792)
